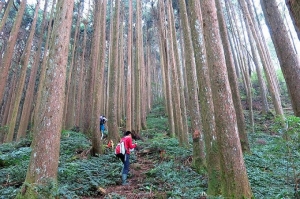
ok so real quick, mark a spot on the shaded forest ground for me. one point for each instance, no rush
(161, 169)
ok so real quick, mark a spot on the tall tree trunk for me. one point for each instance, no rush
(113, 83)
(289, 60)
(11, 96)
(183, 107)
(79, 98)
(69, 104)
(233, 80)
(129, 66)
(91, 74)
(294, 8)
(8, 54)
(23, 65)
(261, 81)
(43, 68)
(164, 67)
(5, 16)
(206, 101)
(138, 65)
(183, 136)
(194, 111)
(121, 80)
(95, 90)
(102, 55)
(234, 176)
(42, 170)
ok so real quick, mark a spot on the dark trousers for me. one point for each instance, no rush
(126, 164)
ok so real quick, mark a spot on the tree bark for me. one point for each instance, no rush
(129, 66)
(27, 106)
(234, 176)
(43, 164)
(113, 82)
(294, 9)
(233, 81)
(164, 68)
(69, 119)
(206, 101)
(8, 54)
(194, 111)
(183, 136)
(138, 65)
(95, 90)
(270, 78)
(23, 65)
(289, 60)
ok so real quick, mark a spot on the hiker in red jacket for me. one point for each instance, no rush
(127, 139)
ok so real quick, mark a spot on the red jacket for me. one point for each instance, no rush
(128, 144)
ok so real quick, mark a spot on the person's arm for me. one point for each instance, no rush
(130, 144)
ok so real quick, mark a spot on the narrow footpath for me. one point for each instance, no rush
(135, 188)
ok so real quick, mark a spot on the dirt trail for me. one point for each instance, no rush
(135, 188)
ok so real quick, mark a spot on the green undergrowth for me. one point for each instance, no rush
(273, 165)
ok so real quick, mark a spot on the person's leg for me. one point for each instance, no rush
(102, 131)
(122, 158)
(125, 169)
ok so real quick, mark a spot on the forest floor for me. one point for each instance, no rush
(136, 178)
(161, 168)
(134, 189)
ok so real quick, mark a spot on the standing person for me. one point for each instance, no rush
(103, 120)
(127, 139)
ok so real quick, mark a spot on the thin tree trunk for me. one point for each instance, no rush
(183, 141)
(194, 111)
(272, 84)
(27, 106)
(23, 65)
(102, 55)
(8, 54)
(165, 71)
(262, 85)
(294, 8)
(69, 104)
(5, 16)
(289, 60)
(183, 107)
(138, 65)
(129, 66)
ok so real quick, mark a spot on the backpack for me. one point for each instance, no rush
(120, 148)
(102, 120)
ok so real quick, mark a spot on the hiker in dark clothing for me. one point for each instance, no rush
(103, 120)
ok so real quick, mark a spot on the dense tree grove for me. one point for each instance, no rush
(64, 63)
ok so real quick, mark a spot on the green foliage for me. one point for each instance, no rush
(14, 161)
(275, 160)
(272, 166)
(178, 181)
